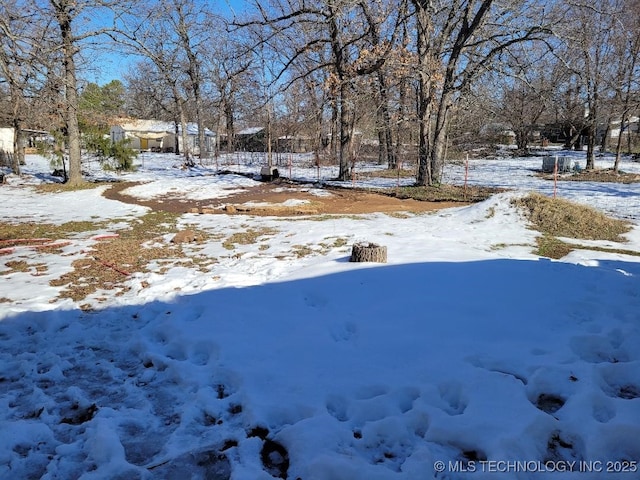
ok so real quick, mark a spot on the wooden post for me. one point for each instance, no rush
(466, 175)
(555, 177)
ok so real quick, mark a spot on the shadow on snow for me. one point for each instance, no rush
(178, 384)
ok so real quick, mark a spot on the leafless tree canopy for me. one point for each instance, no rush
(401, 82)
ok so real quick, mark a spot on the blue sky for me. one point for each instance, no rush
(107, 66)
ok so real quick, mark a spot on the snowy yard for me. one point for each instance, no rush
(465, 357)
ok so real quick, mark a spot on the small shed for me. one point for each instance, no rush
(295, 144)
(251, 139)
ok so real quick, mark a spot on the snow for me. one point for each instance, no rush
(466, 348)
(191, 188)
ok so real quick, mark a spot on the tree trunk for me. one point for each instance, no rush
(345, 141)
(71, 91)
(186, 151)
(176, 141)
(387, 135)
(402, 128)
(333, 145)
(18, 148)
(346, 127)
(231, 135)
(604, 145)
(318, 121)
(202, 145)
(382, 154)
(591, 145)
(616, 163)
(522, 139)
(202, 138)
(423, 20)
(439, 147)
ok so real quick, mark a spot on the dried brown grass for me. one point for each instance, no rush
(605, 175)
(442, 193)
(112, 261)
(247, 237)
(561, 218)
(35, 230)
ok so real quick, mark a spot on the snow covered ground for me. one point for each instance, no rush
(465, 357)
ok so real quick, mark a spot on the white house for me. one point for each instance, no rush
(159, 136)
(145, 134)
(6, 146)
(631, 126)
(193, 140)
(6, 139)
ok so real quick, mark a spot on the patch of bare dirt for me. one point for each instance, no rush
(274, 199)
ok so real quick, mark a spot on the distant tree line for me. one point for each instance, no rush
(421, 77)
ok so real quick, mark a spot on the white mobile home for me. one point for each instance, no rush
(159, 136)
(151, 135)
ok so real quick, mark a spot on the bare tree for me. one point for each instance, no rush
(296, 28)
(148, 95)
(383, 23)
(568, 104)
(73, 31)
(313, 99)
(526, 91)
(403, 73)
(18, 68)
(187, 20)
(477, 117)
(233, 71)
(64, 11)
(588, 54)
(627, 75)
(456, 42)
(151, 38)
(224, 68)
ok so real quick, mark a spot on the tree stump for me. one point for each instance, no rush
(368, 252)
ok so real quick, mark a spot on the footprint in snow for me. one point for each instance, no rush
(621, 380)
(599, 348)
(603, 409)
(372, 403)
(452, 393)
